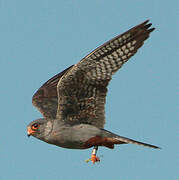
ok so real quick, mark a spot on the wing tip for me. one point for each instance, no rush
(146, 25)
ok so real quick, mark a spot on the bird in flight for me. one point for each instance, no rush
(73, 102)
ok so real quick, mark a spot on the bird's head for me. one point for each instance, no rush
(40, 128)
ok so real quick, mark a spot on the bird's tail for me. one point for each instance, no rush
(120, 139)
(112, 139)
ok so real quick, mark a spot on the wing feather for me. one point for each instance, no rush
(82, 90)
(45, 99)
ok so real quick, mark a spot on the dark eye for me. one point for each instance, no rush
(35, 126)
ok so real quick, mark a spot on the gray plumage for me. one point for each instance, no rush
(73, 101)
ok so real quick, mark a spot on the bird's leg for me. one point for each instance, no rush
(94, 158)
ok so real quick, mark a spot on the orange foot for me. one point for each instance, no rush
(94, 158)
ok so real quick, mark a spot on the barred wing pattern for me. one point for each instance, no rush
(45, 99)
(82, 90)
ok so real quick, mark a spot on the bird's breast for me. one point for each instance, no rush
(73, 137)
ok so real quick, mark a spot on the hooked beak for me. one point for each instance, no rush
(30, 132)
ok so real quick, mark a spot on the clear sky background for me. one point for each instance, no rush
(39, 38)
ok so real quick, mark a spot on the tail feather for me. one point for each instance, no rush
(120, 139)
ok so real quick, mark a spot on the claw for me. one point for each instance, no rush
(94, 158)
(88, 160)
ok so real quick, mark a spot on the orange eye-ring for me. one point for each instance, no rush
(35, 126)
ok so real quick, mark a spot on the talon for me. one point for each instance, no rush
(94, 158)
(88, 160)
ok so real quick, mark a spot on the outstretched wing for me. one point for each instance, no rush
(82, 90)
(45, 99)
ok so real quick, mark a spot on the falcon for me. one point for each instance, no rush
(73, 102)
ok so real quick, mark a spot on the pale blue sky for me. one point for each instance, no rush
(40, 38)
